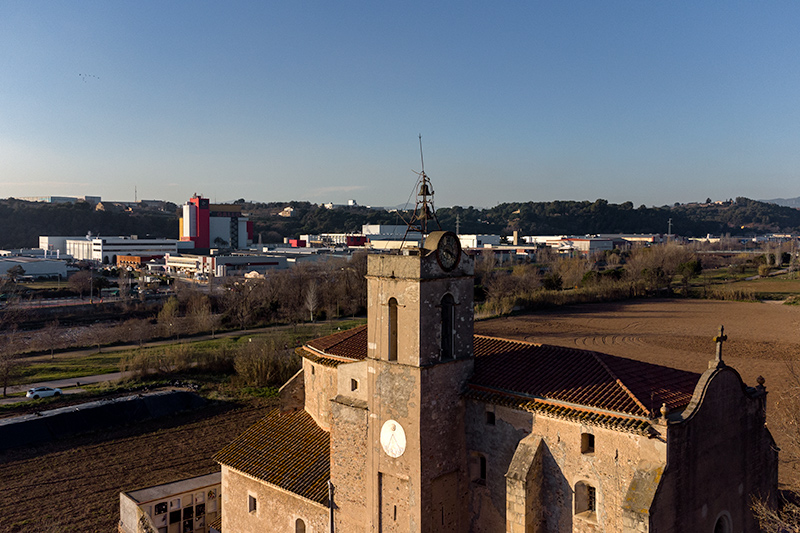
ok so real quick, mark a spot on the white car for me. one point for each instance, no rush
(42, 392)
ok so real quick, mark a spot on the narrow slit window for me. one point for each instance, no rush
(251, 504)
(392, 329)
(353, 384)
(448, 327)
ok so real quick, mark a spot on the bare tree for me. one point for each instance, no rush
(202, 315)
(786, 518)
(239, 301)
(50, 337)
(124, 284)
(267, 361)
(9, 361)
(311, 298)
(168, 316)
(81, 282)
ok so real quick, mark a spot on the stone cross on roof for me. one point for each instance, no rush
(719, 339)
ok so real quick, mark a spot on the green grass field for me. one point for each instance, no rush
(66, 367)
(772, 288)
(719, 282)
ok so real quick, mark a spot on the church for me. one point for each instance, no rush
(413, 423)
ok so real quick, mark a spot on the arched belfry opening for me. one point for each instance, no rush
(723, 524)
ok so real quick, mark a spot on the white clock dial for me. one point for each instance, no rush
(393, 438)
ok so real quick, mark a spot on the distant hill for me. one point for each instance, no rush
(786, 202)
(23, 222)
(742, 216)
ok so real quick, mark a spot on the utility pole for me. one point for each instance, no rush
(669, 229)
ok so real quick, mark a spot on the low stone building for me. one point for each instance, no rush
(414, 424)
(185, 506)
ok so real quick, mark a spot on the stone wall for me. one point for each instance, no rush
(276, 510)
(497, 443)
(561, 465)
(320, 389)
(349, 465)
(720, 456)
(418, 284)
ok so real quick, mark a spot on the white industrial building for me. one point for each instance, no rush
(384, 232)
(200, 266)
(94, 200)
(479, 241)
(106, 249)
(35, 268)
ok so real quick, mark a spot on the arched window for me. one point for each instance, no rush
(723, 524)
(448, 326)
(585, 499)
(299, 526)
(392, 329)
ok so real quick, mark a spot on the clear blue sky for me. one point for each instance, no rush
(652, 102)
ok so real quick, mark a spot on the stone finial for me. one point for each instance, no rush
(719, 339)
(664, 410)
(760, 380)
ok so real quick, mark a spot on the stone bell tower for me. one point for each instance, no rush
(420, 353)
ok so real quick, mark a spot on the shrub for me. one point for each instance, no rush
(268, 361)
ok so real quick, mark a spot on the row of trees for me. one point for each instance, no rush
(540, 218)
(264, 361)
(315, 291)
(615, 275)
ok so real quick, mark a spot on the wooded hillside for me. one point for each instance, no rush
(23, 222)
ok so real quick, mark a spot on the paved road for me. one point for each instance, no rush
(68, 386)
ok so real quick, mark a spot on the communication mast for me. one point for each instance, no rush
(424, 210)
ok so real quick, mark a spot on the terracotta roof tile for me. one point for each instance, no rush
(549, 373)
(585, 416)
(580, 377)
(288, 450)
(351, 343)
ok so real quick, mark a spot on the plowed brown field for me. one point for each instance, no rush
(74, 484)
(762, 339)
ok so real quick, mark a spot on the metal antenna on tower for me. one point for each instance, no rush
(424, 210)
(421, 159)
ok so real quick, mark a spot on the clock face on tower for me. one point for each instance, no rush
(393, 438)
(448, 251)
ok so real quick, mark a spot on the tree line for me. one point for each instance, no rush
(664, 270)
(23, 222)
